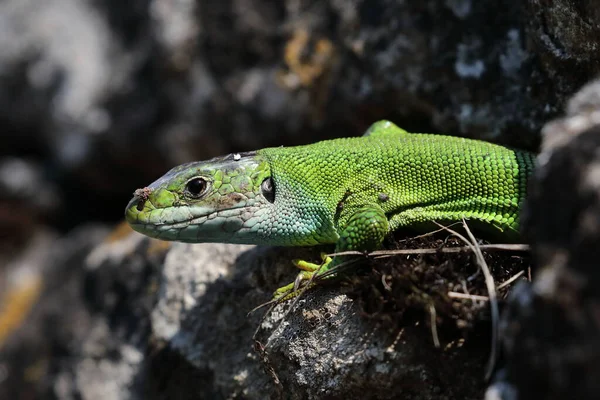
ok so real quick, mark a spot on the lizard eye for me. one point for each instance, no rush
(268, 189)
(196, 187)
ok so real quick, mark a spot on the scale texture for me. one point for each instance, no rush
(351, 192)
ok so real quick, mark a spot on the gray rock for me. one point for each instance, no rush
(320, 348)
(550, 330)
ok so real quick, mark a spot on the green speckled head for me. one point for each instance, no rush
(219, 200)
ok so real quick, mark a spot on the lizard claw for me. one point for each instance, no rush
(309, 269)
(292, 290)
(298, 281)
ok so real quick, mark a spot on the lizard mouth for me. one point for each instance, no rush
(181, 224)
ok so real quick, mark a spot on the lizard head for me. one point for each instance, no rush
(218, 200)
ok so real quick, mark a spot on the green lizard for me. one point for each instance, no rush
(351, 192)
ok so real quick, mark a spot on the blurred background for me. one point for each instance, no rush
(98, 98)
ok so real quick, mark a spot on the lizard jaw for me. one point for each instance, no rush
(236, 225)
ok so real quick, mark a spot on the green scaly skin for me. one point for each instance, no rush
(351, 192)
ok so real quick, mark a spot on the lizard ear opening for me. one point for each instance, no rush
(268, 189)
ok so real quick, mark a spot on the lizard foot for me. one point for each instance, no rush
(309, 269)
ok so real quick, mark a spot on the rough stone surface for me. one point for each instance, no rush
(551, 330)
(42, 286)
(137, 318)
(320, 348)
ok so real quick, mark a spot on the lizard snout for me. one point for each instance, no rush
(137, 203)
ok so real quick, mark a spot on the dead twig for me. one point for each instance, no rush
(390, 253)
(472, 297)
(433, 323)
(491, 287)
(458, 295)
(511, 279)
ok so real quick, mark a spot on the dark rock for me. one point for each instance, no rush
(43, 319)
(28, 198)
(551, 331)
(216, 349)
(123, 321)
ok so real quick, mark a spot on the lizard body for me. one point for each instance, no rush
(351, 192)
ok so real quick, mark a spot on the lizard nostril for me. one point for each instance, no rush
(142, 195)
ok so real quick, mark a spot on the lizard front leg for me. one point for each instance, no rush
(360, 228)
